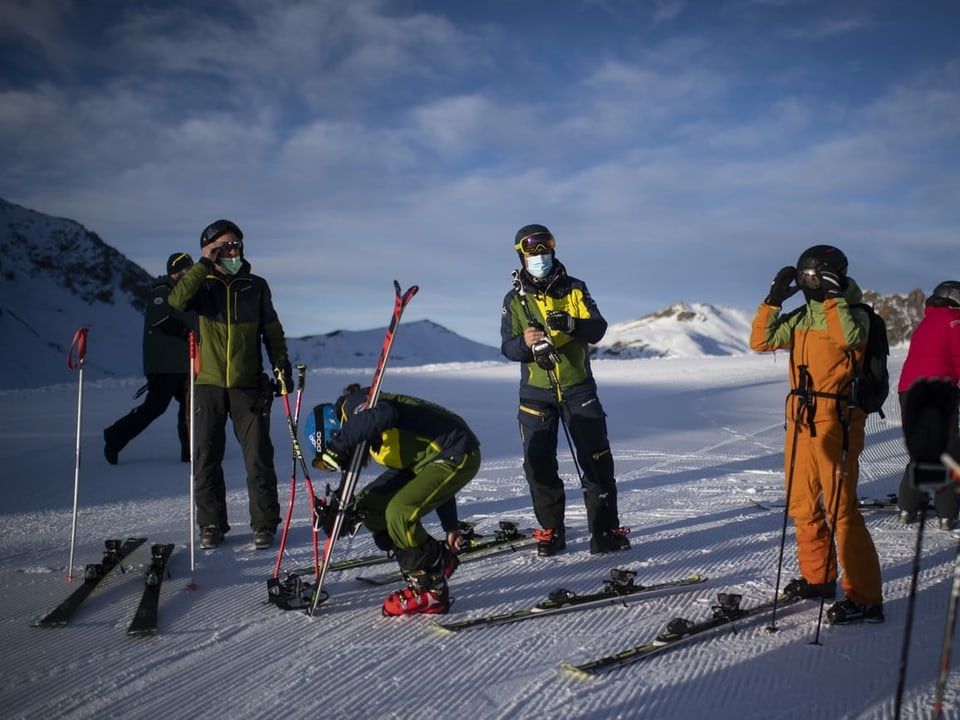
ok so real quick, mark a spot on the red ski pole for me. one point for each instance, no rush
(194, 370)
(79, 344)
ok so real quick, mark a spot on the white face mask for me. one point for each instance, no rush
(539, 265)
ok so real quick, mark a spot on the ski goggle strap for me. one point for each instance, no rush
(536, 244)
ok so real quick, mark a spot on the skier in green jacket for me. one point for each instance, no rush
(236, 315)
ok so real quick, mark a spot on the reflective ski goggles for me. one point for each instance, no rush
(808, 278)
(233, 245)
(536, 244)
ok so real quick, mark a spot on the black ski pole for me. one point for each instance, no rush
(947, 639)
(911, 604)
(797, 419)
(551, 373)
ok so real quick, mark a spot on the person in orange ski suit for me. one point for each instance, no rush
(826, 337)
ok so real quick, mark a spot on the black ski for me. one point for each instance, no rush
(620, 588)
(727, 612)
(864, 503)
(145, 620)
(113, 555)
(473, 543)
(507, 539)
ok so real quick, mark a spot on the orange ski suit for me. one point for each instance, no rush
(825, 340)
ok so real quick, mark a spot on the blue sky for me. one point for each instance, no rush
(678, 150)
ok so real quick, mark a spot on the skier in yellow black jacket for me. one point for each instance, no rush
(547, 321)
(429, 454)
(825, 432)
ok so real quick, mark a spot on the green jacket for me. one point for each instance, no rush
(236, 315)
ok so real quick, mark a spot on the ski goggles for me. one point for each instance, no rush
(808, 278)
(233, 245)
(536, 244)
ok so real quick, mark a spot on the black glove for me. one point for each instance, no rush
(284, 375)
(561, 321)
(544, 354)
(780, 288)
(831, 284)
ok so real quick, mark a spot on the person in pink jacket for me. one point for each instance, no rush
(934, 353)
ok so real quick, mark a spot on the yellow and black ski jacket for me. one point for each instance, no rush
(560, 292)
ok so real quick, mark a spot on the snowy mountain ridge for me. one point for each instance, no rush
(57, 277)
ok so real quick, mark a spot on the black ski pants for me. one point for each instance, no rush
(540, 415)
(945, 502)
(249, 410)
(161, 389)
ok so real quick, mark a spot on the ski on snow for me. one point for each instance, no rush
(865, 503)
(618, 590)
(145, 620)
(507, 539)
(473, 544)
(113, 555)
(726, 613)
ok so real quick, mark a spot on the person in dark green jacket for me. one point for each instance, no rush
(236, 315)
(430, 454)
(547, 322)
(166, 364)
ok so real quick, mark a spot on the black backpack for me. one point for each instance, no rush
(871, 383)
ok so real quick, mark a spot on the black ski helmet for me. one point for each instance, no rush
(215, 229)
(819, 257)
(949, 290)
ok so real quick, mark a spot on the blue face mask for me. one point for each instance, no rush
(231, 266)
(539, 265)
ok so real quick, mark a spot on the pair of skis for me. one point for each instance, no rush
(343, 495)
(116, 551)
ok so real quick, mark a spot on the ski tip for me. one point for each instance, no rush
(151, 632)
(440, 628)
(575, 672)
(46, 624)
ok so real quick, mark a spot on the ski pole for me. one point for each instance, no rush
(911, 604)
(293, 421)
(194, 370)
(798, 416)
(552, 373)
(947, 639)
(79, 344)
